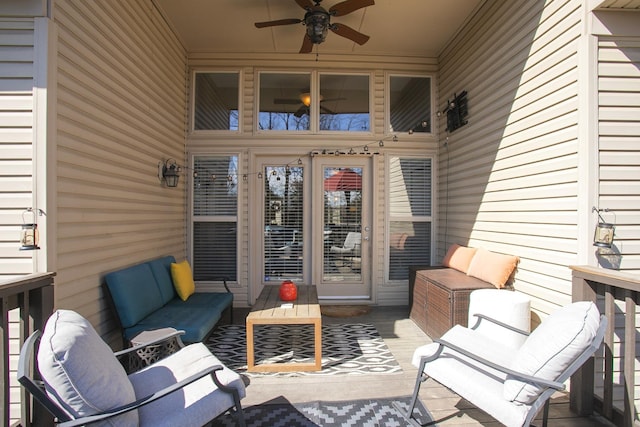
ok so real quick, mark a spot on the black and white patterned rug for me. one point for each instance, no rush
(360, 413)
(346, 348)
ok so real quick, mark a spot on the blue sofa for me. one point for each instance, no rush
(144, 299)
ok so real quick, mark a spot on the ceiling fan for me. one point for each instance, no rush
(318, 22)
(305, 100)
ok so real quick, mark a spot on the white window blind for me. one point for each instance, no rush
(215, 210)
(410, 216)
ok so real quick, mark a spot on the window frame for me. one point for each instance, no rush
(432, 105)
(431, 219)
(192, 218)
(192, 114)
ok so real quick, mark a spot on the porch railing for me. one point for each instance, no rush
(27, 302)
(606, 383)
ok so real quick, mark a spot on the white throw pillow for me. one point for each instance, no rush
(80, 370)
(552, 347)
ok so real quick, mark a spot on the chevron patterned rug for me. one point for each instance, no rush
(350, 349)
(366, 413)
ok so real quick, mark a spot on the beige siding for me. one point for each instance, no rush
(17, 45)
(619, 148)
(121, 109)
(509, 178)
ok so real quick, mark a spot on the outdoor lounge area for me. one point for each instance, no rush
(165, 165)
(391, 381)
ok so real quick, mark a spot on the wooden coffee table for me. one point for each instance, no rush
(269, 310)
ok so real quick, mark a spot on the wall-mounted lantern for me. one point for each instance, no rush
(169, 172)
(29, 236)
(603, 236)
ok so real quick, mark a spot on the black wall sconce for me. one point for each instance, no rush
(169, 172)
(603, 236)
(29, 235)
(457, 112)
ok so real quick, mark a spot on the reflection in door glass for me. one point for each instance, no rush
(283, 223)
(342, 223)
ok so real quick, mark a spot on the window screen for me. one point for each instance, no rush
(410, 217)
(215, 207)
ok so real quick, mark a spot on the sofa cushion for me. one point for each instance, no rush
(195, 321)
(80, 370)
(134, 293)
(458, 257)
(492, 267)
(161, 269)
(183, 279)
(552, 347)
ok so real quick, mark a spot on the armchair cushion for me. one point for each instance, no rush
(552, 347)
(202, 399)
(80, 371)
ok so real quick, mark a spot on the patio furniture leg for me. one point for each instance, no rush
(420, 378)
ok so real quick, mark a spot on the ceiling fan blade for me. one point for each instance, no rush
(305, 4)
(286, 101)
(278, 22)
(301, 111)
(349, 6)
(326, 110)
(307, 44)
(350, 33)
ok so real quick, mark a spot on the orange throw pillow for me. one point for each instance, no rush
(458, 257)
(492, 267)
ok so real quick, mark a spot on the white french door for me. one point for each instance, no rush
(341, 224)
(316, 224)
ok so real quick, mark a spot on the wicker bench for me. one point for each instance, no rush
(439, 296)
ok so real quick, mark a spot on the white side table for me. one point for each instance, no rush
(510, 307)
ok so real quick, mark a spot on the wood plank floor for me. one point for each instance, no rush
(402, 336)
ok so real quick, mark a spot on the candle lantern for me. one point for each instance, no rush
(29, 233)
(603, 236)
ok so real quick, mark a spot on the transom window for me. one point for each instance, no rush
(216, 97)
(314, 101)
(409, 104)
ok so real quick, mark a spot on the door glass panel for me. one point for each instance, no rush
(342, 224)
(283, 223)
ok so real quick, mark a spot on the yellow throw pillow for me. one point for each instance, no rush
(492, 267)
(459, 257)
(183, 279)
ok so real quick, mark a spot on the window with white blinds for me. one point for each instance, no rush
(410, 214)
(215, 217)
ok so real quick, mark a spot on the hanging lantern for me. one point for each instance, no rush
(29, 233)
(603, 236)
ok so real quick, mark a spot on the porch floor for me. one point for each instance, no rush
(402, 336)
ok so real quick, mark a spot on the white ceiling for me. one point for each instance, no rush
(414, 28)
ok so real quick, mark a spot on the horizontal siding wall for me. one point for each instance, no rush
(121, 109)
(619, 149)
(508, 179)
(16, 142)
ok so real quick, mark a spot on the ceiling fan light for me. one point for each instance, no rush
(305, 98)
(317, 23)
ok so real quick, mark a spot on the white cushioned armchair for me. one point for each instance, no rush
(83, 381)
(512, 384)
